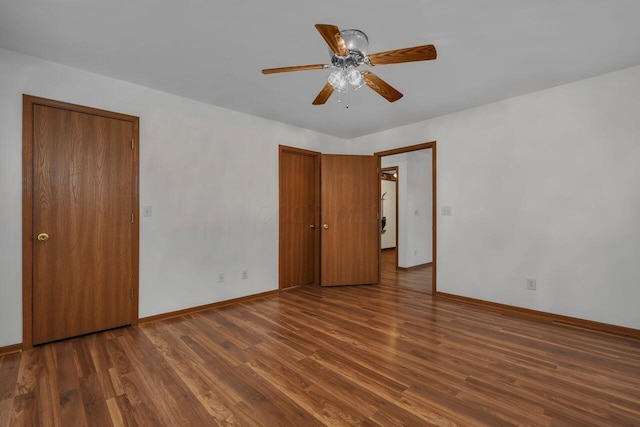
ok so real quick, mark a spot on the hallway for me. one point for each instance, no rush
(416, 279)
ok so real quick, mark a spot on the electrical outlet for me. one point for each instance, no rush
(531, 284)
(446, 211)
(220, 277)
(245, 274)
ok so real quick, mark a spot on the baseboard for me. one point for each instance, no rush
(178, 313)
(415, 267)
(546, 317)
(16, 348)
(10, 349)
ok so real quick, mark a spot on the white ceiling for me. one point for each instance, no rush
(213, 51)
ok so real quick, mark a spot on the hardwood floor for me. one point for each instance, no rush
(360, 355)
(416, 279)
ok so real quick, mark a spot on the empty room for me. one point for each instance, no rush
(410, 213)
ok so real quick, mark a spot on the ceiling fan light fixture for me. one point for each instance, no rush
(338, 80)
(354, 77)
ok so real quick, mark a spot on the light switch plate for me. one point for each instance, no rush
(446, 211)
(147, 211)
(531, 284)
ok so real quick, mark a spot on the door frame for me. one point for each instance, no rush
(28, 104)
(427, 145)
(316, 215)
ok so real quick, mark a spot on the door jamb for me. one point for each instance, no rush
(28, 104)
(432, 146)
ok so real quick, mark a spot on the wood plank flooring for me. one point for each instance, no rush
(416, 279)
(311, 356)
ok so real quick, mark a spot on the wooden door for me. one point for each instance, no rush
(84, 237)
(299, 199)
(350, 227)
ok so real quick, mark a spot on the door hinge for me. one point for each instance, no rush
(132, 218)
(132, 143)
(131, 292)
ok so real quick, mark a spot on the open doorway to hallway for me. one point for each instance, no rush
(407, 243)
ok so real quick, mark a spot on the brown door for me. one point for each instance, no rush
(350, 226)
(84, 237)
(299, 198)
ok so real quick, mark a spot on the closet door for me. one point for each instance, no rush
(83, 238)
(299, 231)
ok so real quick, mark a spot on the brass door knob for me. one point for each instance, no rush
(326, 226)
(43, 236)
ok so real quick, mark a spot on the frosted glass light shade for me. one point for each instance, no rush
(354, 77)
(338, 80)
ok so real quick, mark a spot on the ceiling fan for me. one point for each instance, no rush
(348, 50)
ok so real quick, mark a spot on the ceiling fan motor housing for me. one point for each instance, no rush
(358, 44)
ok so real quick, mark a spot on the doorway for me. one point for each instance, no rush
(328, 217)
(412, 264)
(80, 220)
(389, 209)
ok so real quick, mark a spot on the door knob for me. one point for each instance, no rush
(313, 227)
(326, 226)
(43, 236)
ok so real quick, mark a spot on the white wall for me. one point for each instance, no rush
(547, 186)
(400, 161)
(209, 173)
(415, 246)
(419, 212)
(388, 239)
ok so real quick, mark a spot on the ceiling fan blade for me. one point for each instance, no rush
(295, 68)
(409, 54)
(383, 88)
(324, 94)
(331, 35)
